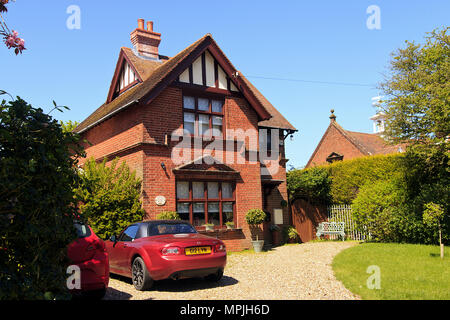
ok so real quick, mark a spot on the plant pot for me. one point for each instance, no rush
(229, 227)
(209, 228)
(258, 245)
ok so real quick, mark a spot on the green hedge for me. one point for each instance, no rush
(341, 181)
(388, 192)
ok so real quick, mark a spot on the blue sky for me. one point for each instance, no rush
(319, 41)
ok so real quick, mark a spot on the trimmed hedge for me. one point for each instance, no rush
(388, 192)
(341, 181)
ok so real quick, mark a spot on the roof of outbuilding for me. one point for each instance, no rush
(366, 143)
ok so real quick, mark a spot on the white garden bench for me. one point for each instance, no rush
(325, 228)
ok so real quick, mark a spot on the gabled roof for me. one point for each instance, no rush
(277, 120)
(155, 76)
(367, 143)
(205, 163)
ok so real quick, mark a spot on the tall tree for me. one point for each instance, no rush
(417, 108)
(417, 92)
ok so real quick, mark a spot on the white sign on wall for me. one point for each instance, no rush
(160, 200)
(278, 216)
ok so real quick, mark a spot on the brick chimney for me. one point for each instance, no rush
(146, 41)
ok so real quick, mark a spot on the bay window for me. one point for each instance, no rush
(202, 202)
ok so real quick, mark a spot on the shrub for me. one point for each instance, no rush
(168, 215)
(109, 196)
(255, 216)
(348, 177)
(37, 173)
(313, 184)
(341, 181)
(290, 233)
(384, 209)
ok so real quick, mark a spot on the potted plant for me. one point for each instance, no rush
(229, 224)
(255, 217)
(209, 226)
(290, 234)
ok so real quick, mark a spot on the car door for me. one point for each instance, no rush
(120, 251)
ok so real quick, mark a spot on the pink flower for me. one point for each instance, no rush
(13, 41)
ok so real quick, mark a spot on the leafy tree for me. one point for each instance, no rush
(69, 126)
(255, 217)
(417, 103)
(417, 108)
(109, 196)
(37, 174)
(313, 184)
(433, 215)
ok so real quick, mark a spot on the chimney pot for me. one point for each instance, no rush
(150, 26)
(146, 41)
(141, 23)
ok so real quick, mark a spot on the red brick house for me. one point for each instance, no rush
(340, 144)
(203, 139)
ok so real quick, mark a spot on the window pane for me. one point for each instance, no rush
(189, 122)
(227, 190)
(198, 214)
(203, 104)
(216, 106)
(227, 211)
(182, 190)
(203, 124)
(198, 190)
(183, 211)
(213, 190)
(216, 126)
(130, 233)
(189, 102)
(213, 213)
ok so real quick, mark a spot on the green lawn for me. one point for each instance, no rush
(407, 271)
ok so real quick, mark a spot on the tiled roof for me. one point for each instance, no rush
(150, 81)
(154, 73)
(277, 120)
(367, 143)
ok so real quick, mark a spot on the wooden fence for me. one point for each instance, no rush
(343, 213)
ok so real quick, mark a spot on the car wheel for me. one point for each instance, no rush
(140, 276)
(215, 277)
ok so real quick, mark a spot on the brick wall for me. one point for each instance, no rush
(144, 128)
(334, 141)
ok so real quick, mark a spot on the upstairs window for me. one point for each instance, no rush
(203, 116)
(127, 78)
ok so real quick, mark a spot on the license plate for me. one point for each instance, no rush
(197, 250)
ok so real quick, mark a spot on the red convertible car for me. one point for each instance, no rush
(165, 249)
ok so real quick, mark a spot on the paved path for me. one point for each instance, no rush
(296, 272)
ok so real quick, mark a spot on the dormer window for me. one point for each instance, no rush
(203, 116)
(333, 157)
(126, 79)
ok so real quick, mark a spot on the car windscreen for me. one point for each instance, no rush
(156, 229)
(83, 230)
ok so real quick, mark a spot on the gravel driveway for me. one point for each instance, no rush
(300, 271)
